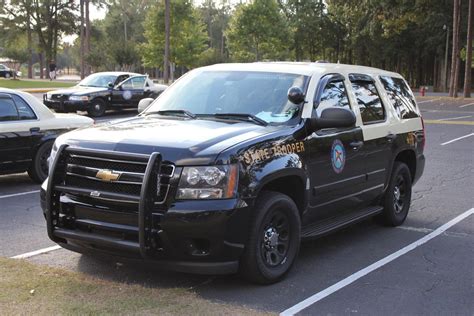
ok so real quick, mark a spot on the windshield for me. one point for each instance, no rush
(98, 80)
(262, 94)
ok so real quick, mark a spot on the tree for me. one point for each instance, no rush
(455, 60)
(166, 66)
(257, 31)
(187, 35)
(468, 67)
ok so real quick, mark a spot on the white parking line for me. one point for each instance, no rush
(463, 106)
(361, 273)
(18, 194)
(420, 102)
(456, 139)
(36, 252)
(455, 118)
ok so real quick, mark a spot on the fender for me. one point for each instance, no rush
(400, 149)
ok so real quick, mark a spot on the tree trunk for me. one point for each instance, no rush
(455, 52)
(81, 37)
(166, 66)
(30, 44)
(87, 47)
(41, 62)
(467, 70)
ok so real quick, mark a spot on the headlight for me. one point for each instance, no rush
(79, 98)
(212, 182)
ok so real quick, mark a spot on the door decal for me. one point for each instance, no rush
(338, 156)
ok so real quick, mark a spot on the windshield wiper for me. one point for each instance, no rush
(173, 112)
(243, 117)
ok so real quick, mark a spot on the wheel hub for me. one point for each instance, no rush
(396, 193)
(97, 107)
(270, 238)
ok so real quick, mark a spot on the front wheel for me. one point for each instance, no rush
(38, 171)
(97, 108)
(274, 239)
(7, 75)
(397, 199)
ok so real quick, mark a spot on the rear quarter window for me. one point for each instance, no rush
(400, 97)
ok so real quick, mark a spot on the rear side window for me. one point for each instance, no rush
(8, 110)
(24, 110)
(370, 105)
(400, 97)
(334, 95)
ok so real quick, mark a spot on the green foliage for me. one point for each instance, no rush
(187, 40)
(259, 31)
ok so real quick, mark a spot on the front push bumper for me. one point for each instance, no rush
(66, 105)
(205, 237)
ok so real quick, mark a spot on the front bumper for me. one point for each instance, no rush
(190, 236)
(66, 105)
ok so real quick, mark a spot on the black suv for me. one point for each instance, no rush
(103, 90)
(234, 164)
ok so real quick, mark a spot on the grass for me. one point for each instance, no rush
(32, 84)
(40, 290)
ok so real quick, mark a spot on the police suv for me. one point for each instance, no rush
(234, 164)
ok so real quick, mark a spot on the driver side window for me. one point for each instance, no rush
(334, 95)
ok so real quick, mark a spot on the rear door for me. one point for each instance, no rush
(337, 156)
(377, 131)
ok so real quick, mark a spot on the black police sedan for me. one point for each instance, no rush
(6, 72)
(103, 90)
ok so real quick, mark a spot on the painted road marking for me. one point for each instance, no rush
(18, 194)
(455, 118)
(463, 106)
(449, 122)
(374, 266)
(36, 252)
(456, 139)
(425, 101)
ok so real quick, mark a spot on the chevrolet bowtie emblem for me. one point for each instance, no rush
(107, 175)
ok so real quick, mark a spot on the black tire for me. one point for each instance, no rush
(274, 239)
(38, 171)
(397, 199)
(97, 108)
(7, 75)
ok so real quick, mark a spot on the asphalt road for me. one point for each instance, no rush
(436, 277)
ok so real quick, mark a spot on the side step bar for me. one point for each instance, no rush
(326, 226)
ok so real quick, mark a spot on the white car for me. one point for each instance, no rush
(27, 133)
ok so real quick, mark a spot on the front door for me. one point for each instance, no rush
(18, 129)
(130, 91)
(336, 169)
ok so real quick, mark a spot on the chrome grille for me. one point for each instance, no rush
(81, 179)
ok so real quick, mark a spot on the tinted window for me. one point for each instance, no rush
(370, 105)
(334, 95)
(24, 110)
(400, 97)
(7, 110)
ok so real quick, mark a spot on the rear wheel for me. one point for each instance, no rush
(97, 108)
(38, 171)
(274, 239)
(7, 75)
(396, 201)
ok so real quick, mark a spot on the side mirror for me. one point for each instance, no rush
(110, 85)
(296, 95)
(334, 118)
(143, 104)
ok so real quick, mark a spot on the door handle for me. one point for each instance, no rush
(356, 145)
(35, 129)
(391, 137)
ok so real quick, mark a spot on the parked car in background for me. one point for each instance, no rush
(6, 72)
(104, 90)
(27, 133)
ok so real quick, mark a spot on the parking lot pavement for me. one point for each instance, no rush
(433, 278)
